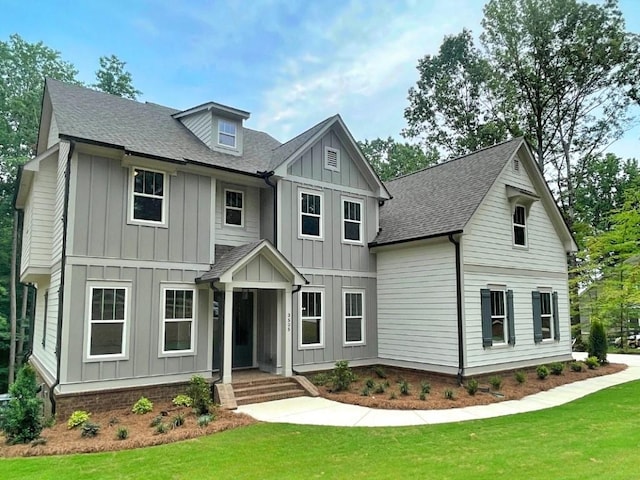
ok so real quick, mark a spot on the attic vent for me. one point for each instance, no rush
(332, 159)
(516, 165)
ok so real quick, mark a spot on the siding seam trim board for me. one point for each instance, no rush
(337, 273)
(332, 186)
(121, 262)
(476, 268)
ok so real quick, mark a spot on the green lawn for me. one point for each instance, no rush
(595, 437)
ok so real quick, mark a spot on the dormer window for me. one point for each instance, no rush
(227, 133)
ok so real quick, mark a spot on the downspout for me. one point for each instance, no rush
(63, 262)
(266, 176)
(456, 243)
(221, 320)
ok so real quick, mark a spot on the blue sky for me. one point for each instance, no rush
(291, 63)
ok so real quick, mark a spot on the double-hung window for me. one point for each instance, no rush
(227, 133)
(234, 208)
(310, 214)
(353, 317)
(498, 317)
(311, 319)
(520, 226)
(498, 320)
(148, 196)
(178, 316)
(546, 321)
(546, 315)
(351, 221)
(108, 312)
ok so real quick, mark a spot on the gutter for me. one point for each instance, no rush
(266, 176)
(456, 243)
(63, 263)
(414, 239)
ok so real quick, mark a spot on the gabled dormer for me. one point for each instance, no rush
(220, 127)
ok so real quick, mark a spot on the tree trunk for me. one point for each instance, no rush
(23, 326)
(12, 300)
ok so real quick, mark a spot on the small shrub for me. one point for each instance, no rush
(77, 418)
(577, 366)
(425, 387)
(49, 422)
(496, 382)
(177, 420)
(404, 387)
(38, 441)
(122, 433)
(21, 418)
(162, 428)
(200, 392)
(379, 388)
(472, 386)
(449, 394)
(369, 383)
(598, 341)
(556, 368)
(89, 429)
(365, 392)
(320, 379)
(542, 371)
(142, 406)
(380, 372)
(592, 363)
(392, 396)
(157, 420)
(422, 396)
(342, 376)
(521, 376)
(182, 401)
(204, 420)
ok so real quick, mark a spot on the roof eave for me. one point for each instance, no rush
(375, 244)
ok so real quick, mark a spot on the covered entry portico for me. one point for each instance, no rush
(254, 284)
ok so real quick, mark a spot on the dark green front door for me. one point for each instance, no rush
(242, 329)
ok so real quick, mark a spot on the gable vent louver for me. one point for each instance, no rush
(516, 165)
(332, 159)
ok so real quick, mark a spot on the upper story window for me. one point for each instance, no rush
(234, 208)
(107, 321)
(351, 221)
(520, 226)
(148, 202)
(310, 214)
(332, 159)
(227, 133)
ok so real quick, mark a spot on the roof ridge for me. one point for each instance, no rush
(446, 162)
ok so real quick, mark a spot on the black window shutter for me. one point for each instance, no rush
(556, 317)
(537, 319)
(510, 318)
(485, 307)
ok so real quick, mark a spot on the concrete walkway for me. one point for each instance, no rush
(320, 411)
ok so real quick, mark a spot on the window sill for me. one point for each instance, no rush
(354, 344)
(520, 247)
(145, 223)
(310, 237)
(105, 358)
(231, 225)
(177, 353)
(353, 243)
(315, 346)
(500, 346)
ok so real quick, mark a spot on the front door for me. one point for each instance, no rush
(242, 329)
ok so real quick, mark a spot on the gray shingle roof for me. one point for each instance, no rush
(147, 128)
(227, 261)
(441, 199)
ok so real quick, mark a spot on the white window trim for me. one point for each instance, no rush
(363, 323)
(514, 225)
(548, 291)
(360, 222)
(235, 136)
(505, 326)
(311, 346)
(194, 324)
(165, 197)
(225, 206)
(91, 285)
(321, 215)
(326, 156)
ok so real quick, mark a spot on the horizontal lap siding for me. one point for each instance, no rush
(333, 349)
(201, 125)
(46, 355)
(417, 304)
(525, 350)
(234, 235)
(144, 326)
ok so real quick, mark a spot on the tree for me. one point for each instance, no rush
(391, 159)
(456, 104)
(114, 79)
(21, 419)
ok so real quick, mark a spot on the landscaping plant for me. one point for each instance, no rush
(200, 392)
(122, 433)
(542, 371)
(496, 382)
(142, 406)
(556, 368)
(21, 418)
(342, 376)
(577, 366)
(521, 376)
(182, 401)
(77, 418)
(89, 429)
(592, 363)
(472, 386)
(598, 342)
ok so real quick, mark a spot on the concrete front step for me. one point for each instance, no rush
(247, 390)
(268, 397)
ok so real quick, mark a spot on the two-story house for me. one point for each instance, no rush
(168, 243)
